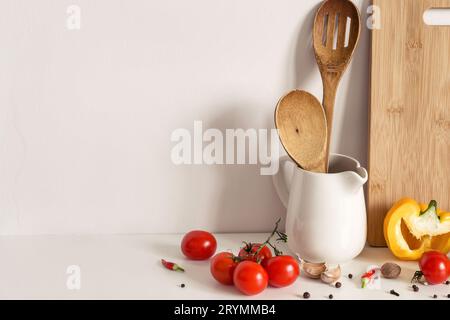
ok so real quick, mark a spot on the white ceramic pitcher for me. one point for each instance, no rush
(326, 212)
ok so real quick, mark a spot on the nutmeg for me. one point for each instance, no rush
(390, 270)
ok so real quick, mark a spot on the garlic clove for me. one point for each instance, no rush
(313, 270)
(331, 275)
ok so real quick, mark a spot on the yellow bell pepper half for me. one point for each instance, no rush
(410, 229)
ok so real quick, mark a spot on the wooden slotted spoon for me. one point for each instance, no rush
(335, 37)
(302, 127)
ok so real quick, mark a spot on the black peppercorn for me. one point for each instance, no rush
(350, 276)
(182, 285)
(435, 296)
(330, 296)
(448, 296)
(306, 295)
(447, 282)
(415, 288)
(338, 285)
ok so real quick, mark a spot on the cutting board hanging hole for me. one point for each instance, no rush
(437, 17)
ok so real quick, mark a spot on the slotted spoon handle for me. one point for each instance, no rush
(330, 80)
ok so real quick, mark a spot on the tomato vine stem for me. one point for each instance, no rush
(281, 237)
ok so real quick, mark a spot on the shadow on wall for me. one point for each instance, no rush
(356, 99)
(243, 189)
(305, 62)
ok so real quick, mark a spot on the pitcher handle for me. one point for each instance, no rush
(283, 178)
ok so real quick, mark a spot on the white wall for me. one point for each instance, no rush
(86, 115)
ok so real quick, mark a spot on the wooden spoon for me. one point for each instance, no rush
(302, 127)
(335, 37)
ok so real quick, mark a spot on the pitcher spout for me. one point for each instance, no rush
(362, 175)
(358, 178)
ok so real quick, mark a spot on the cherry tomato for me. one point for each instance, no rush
(222, 267)
(250, 278)
(198, 245)
(282, 271)
(435, 267)
(248, 252)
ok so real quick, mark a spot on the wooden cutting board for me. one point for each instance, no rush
(409, 143)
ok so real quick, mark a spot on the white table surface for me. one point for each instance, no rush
(128, 267)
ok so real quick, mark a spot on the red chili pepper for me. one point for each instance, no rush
(368, 274)
(171, 266)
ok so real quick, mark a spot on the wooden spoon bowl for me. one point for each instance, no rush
(302, 127)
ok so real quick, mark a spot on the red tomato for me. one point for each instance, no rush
(282, 271)
(250, 278)
(435, 267)
(198, 245)
(222, 267)
(248, 252)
